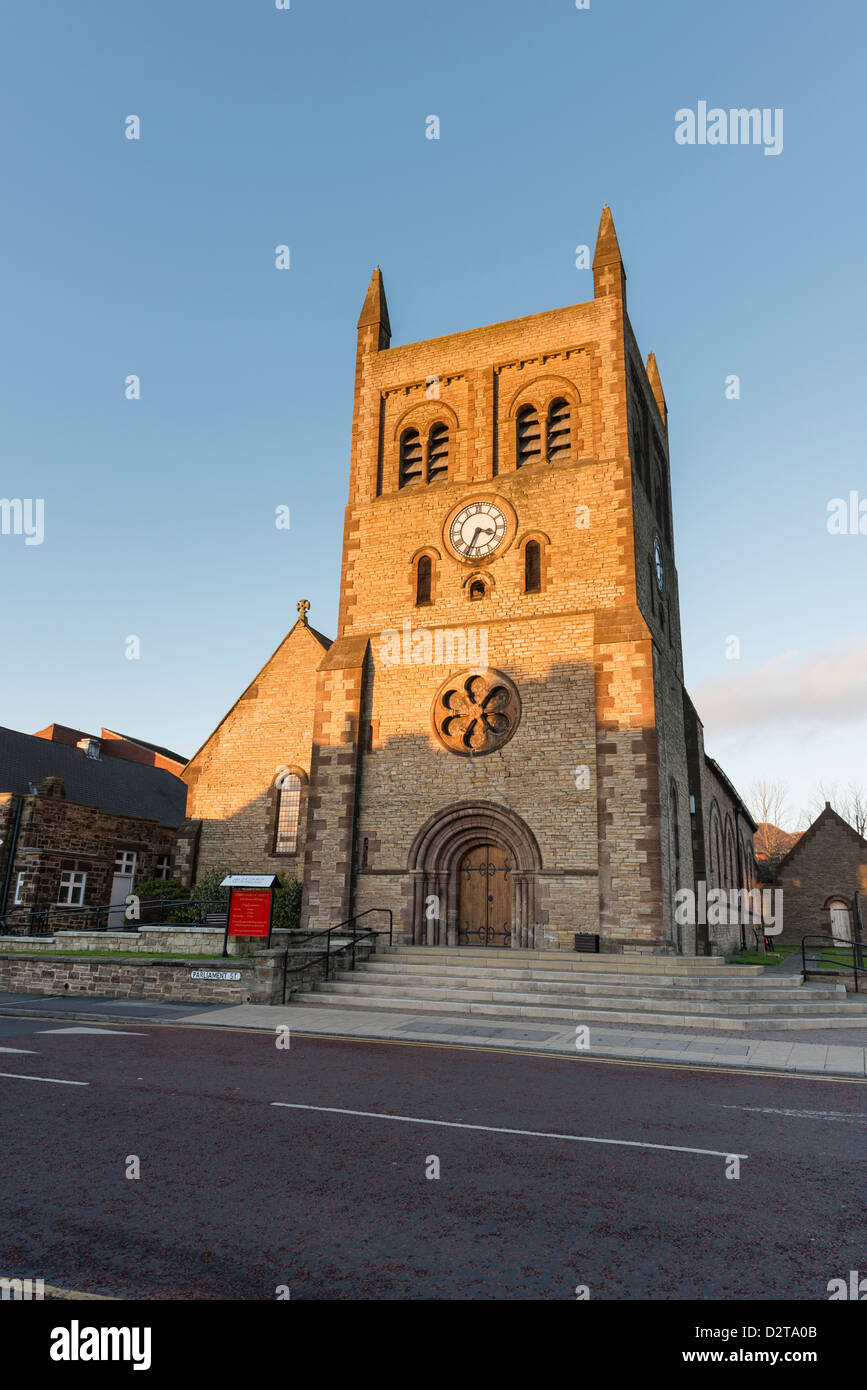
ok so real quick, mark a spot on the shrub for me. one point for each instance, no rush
(208, 889)
(287, 904)
(161, 888)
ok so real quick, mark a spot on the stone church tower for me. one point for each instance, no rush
(502, 750)
(510, 514)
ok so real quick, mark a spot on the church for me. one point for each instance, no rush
(497, 745)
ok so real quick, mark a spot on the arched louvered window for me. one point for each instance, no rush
(638, 458)
(559, 431)
(529, 436)
(410, 457)
(658, 498)
(477, 589)
(423, 578)
(660, 474)
(532, 567)
(288, 809)
(438, 452)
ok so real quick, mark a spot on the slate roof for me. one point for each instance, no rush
(143, 743)
(732, 790)
(113, 784)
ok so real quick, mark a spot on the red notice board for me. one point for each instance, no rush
(249, 912)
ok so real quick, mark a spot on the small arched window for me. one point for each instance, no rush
(529, 436)
(288, 810)
(559, 431)
(477, 589)
(423, 578)
(675, 838)
(438, 452)
(731, 870)
(716, 849)
(410, 457)
(532, 567)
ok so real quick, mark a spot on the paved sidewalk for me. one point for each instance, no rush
(829, 1054)
(777, 1054)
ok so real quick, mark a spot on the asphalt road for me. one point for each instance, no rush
(253, 1177)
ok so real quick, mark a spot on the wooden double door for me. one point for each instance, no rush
(485, 899)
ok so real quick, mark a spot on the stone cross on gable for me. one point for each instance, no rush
(302, 607)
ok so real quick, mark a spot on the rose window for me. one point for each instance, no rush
(476, 713)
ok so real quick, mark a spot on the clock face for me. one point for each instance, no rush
(477, 530)
(657, 561)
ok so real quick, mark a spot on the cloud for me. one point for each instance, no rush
(815, 690)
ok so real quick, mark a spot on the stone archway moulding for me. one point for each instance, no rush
(434, 863)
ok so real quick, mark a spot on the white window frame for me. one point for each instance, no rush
(122, 863)
(163, 868)
(72, 881)
(19, 884)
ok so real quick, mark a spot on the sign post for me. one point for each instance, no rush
(858, 943)
(251, 906)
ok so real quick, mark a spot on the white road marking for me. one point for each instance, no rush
(56, 1080)
(802, 1114)
(27, 1051)
(96, 1032)
(495, 1129)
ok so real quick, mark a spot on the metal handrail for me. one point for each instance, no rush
(329, 953)
(856, 947)
(40, 917)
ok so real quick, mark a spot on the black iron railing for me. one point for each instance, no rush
(833, 953)
(45, 921)
(331, 951)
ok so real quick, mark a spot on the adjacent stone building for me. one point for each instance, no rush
(819, 878)
(498, 745)
(78, 829)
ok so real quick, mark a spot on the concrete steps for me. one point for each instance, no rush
(684, 992)
(492, 958)
(610, 998)
(684, 987)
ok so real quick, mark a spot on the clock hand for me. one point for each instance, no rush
(476, 534)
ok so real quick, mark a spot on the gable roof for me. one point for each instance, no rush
(111, 784)
(829, 814)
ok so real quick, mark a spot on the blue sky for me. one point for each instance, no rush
(307, 127)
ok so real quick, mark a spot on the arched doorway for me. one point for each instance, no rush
(468, 835)
(841, 919)
(485, 897)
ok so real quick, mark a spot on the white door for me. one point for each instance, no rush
(121, 886)
(841, 925)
